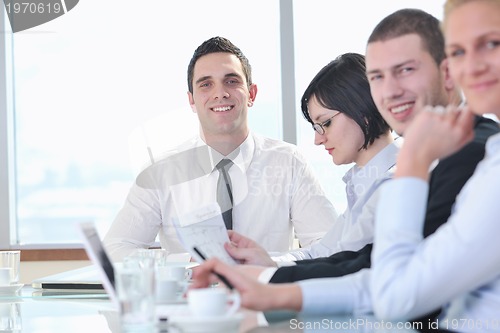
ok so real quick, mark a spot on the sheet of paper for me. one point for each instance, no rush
(205, 230)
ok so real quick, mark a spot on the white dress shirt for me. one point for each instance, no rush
(354, 228)
(274, 190)
(458, 265)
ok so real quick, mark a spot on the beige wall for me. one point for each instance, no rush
(32, 270)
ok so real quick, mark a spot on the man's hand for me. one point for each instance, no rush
(246, 251)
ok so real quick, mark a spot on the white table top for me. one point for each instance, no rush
(94, 313)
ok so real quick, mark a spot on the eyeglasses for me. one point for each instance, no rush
(320, 127)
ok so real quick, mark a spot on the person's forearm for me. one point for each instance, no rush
(286, 296)
(413, 163)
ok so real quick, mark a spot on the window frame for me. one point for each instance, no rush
(8, 231)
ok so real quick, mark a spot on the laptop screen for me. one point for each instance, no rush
(99, 257)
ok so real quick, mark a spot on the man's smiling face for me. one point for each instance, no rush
(403, 79)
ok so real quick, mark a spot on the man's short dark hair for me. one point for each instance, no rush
(412, 21)
(215, 45)
(342, 85)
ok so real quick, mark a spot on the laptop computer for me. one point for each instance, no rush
(98, 256)
(104, 266)
(90, 281)
(100, 259)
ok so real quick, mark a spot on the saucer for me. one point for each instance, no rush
(178, 300)
(10, 289)
(190, 324)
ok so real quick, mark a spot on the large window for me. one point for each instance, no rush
(98, 89)
(92, 96)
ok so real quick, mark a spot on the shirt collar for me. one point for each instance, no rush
(493, 144)
(383, 161)
(241, 156)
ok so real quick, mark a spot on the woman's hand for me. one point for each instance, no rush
(435, 133)
(254, 295)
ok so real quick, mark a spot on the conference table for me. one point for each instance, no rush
(36, 311)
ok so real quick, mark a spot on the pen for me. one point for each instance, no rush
(221, 277)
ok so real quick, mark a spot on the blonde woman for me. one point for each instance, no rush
(459, 265)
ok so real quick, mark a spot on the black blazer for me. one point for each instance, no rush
(446, 181)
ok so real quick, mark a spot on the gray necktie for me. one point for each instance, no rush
(225, 193)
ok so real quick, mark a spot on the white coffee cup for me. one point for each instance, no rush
(177, 273)
(5, 275)
(213, 302)
(167, 291)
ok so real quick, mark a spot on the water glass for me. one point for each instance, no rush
(11, 260)
(135, 289)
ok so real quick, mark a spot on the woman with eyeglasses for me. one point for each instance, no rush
(339, 106)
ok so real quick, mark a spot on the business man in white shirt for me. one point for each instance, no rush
(274, 193)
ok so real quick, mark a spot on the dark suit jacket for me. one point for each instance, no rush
(445, 183)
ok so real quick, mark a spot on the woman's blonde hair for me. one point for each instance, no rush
(450, 5)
